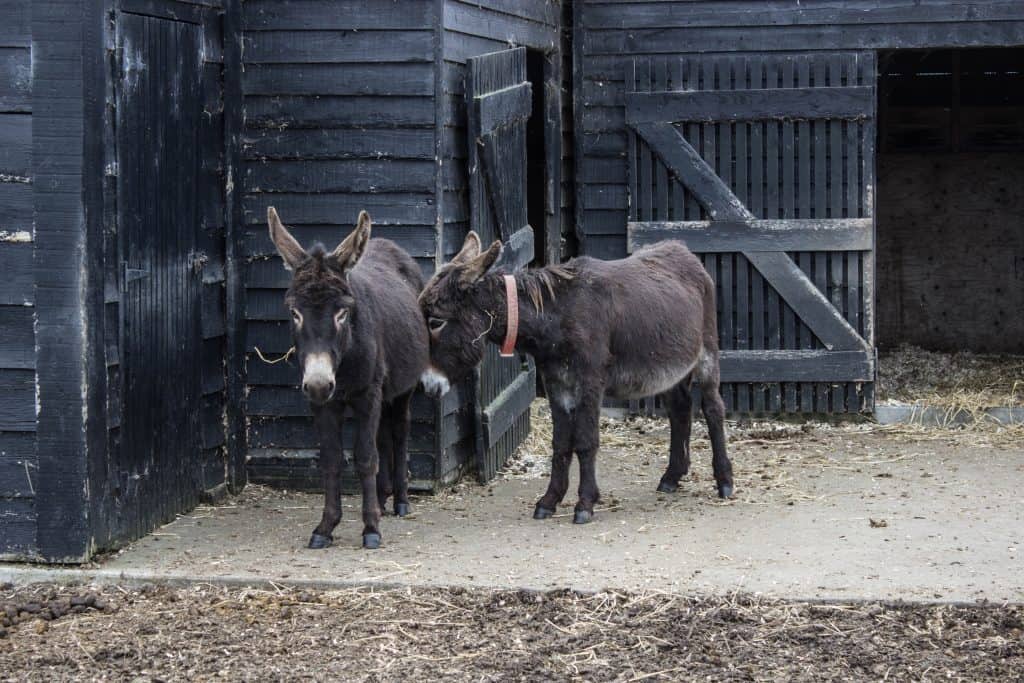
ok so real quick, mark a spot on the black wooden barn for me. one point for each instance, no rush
(142, 140)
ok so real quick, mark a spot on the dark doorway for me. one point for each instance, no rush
(536, 157)
(950, 200)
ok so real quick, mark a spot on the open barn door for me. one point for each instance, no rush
(498, 106)
(764, 166)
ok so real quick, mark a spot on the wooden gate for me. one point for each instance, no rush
(155, 472)
(764, 166)
(498, 106)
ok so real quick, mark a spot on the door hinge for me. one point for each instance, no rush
(131, 274)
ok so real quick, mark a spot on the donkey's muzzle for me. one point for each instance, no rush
(318, 392)
(435, 383)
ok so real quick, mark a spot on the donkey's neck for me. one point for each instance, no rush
(538, 308)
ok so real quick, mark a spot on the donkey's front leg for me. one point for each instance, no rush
(366, 411)
(586, 439)
(400, 442)
(328, 420)
(561, 459)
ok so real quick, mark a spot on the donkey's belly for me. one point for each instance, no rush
(636, 382)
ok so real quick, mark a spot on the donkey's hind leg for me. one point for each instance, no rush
(680, 416)
(714, 413)
(385, 454)
(400, 462)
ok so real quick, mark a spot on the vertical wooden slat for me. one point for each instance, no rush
(659, 82)
(693, 136)
(741, 266)
(721, 160)
(677, 209)
(789, 321)
(773, 174)
(818, 392)
(836, 196)
(633, 152)
(812, 168)
(645, 197)
(755, 203)
(854, 191)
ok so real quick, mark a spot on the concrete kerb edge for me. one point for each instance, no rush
(28, 575)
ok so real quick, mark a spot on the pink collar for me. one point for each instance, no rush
(508, 346)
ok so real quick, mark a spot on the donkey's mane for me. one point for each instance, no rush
(538, 281)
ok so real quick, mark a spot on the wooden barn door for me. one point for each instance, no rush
(498, 107)
(157, 470)
(764, 166)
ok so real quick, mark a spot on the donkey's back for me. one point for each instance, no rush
(389, 280)
(654, 313)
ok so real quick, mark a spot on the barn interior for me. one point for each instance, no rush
(950, 200)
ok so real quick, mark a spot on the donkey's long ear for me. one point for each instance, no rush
(352, 247)
(475, 268)
(470, 249)
(287, 246)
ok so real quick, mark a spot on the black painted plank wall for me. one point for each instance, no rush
(340, 116)
(18, 463)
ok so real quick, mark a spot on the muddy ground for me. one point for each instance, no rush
(205, 633)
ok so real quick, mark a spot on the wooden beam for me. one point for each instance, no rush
(504, 107)
(806, 300)
(518, 251)
(502, 412)
(797, 366)
(833, 234)
(686, 163)
(719, 106)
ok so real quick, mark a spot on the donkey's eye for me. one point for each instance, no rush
(340, 317)
(436, 324)
(297, 318)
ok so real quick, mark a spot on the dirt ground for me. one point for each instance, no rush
(204, 633)
(820, 512)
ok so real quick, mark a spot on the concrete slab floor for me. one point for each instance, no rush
(827, 513)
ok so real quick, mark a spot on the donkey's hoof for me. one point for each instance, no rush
(542, 512)
(582, 517)
(402, 509)
(725, 490)
(667, 487)
(371, 541)
(318, 541)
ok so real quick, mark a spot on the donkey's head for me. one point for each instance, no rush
(459, 314)
(321, 302)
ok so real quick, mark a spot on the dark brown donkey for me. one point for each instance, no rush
(361, 342)
(640, 326)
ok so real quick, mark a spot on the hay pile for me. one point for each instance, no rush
(962, 380)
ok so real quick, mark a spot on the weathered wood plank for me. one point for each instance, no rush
(340, 143)
(298, 111)
(513, 400)
(338, 79)
(323, 15)
(419, 240)
(15, 81)
(921, 35)
(17, 400)
(17, 218)
(16, 145)
(751, 105)
(15, 29)
(17, 288)
(518, 251)
(503, 107)
(774, 13)
(17, 338)
(405, 208)
(18, 522)
(797, 366)
(467, 19)
(18, 473)
(355, 175)
(337, 47)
